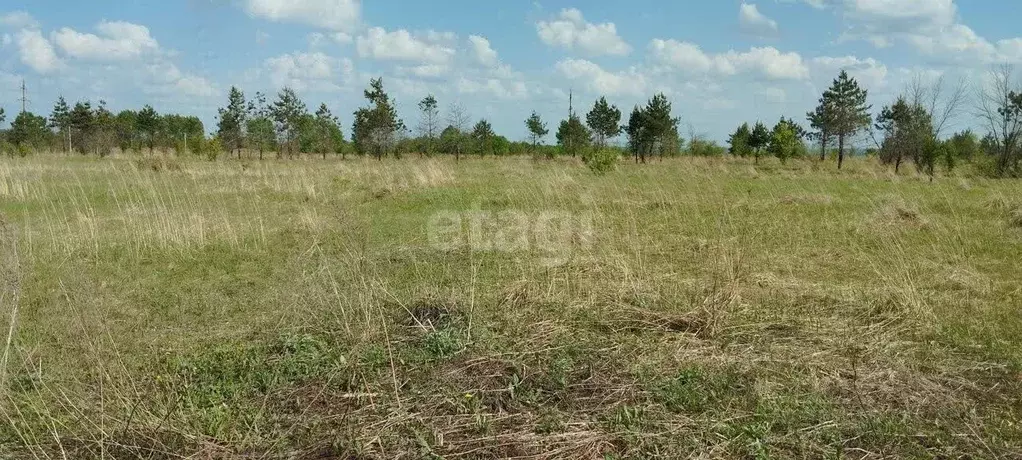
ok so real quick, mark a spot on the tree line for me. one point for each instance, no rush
(909, 129)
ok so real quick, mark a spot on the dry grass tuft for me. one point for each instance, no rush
(807, 198)
(157, 164)
(1015, 217)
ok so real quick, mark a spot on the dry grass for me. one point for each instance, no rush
(715, 309)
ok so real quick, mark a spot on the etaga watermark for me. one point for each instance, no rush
(552, 236)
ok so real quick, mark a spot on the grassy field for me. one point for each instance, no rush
(495, 308)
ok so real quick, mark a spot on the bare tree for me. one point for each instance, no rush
(999, 106)
(942, 103)
(458, 118)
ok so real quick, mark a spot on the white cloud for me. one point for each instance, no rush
(770, 63)
(767, 61)
(684, 56)
(168, 79)
(303, 71)
(570, 31)
(400, 45)
(119, 41)
(755, 23)
(869, 72)
(907, 14)
(339, 15)
(37, 52)
(501, 89)
(19, 20)
(482, 51)
(930, 26)
(426, 70)
(600, 81)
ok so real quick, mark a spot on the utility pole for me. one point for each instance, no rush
(571, 112)
(24, 98)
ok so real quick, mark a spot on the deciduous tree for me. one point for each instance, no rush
(1000, 108)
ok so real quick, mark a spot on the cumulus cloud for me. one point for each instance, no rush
(37, 52)
(767, 61)
(339, 15)
(930, 26)
(484, 54)
(426, 70)
(19, 20)
(500, 89)
(401, 45)
(755, 23)
(167, 78)
(117, 41)
(870, 72)
(600, 81)
(303, 71)
(569, 30)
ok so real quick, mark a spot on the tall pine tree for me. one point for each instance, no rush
(231, 122)
(604, 120)
(847, 111)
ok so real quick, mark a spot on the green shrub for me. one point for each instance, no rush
(601, 161)
(212, 148)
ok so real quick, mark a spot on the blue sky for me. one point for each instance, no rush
(720, 62)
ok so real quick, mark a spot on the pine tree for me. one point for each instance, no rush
(375, 127)
(147, 123)
(573, 136)
(537, 129)
(483, 135)
(820, 121)
(784, 141)
(637, 133)
(231, 122)
(287, 112)
(604, 120)
(82, 122)
(661, 128)
(428, 124)
(104, 130)
(327, 131)
(28, 130)
(759, 139)
(739, 141)
(60, 119)
(847, 111)
(259, 125)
